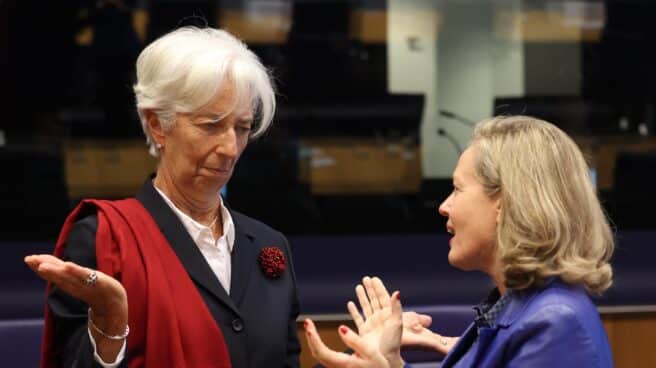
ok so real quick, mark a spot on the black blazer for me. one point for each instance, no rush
(257, 319)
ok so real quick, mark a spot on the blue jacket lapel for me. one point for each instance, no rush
(461, 347)
(518, 302)
(485, 337)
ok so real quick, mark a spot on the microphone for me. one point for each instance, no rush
(456, 117)
(447, 135)
(451, 139)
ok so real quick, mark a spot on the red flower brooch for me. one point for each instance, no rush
(272, 262)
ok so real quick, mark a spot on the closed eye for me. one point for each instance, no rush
(243, 129)
(209, 125)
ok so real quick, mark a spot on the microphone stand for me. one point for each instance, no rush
(443, 133)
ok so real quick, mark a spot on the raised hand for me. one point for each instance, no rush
(379, 323)
(105, 296)
(379, 340)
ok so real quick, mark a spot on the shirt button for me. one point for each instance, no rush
(237, 325)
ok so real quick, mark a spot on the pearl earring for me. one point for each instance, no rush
(159, 146)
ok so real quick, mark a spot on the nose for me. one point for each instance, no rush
(227, 144)
(445, 207)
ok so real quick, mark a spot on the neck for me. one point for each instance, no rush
(502, 288)
(204, 210)
(496, 273)
(500, 282)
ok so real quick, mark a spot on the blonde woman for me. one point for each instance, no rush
(524, 211)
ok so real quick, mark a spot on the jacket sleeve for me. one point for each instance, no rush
(555, 337)
(70, 315)
(293, 345)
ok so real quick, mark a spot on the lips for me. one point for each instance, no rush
(219, 171)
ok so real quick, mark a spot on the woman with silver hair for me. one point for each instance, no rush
(173, 277)
(524, 211)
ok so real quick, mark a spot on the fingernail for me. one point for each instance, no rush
(343, 330)
(398, 295)
(305, 324)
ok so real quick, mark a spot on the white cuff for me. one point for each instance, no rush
(119, 357)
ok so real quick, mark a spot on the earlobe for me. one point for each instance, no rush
(155, 128)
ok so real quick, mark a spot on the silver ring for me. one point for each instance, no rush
(91, 279)
(443, 342)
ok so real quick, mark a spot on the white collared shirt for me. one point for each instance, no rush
(217, 253)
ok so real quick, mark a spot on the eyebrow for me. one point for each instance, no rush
(216, 117)
(213, 117)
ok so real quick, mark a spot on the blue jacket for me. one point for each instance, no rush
(554, 326)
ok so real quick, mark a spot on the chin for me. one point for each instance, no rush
(212, 183)
(453, 260)
(458, 262)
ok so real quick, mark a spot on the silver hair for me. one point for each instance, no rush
(183, 70)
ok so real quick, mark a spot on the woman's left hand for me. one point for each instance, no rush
(379, 341)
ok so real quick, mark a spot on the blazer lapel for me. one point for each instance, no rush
(517, 303)
(485, 337)
(461, 347)
(244, 260)
(183, 245)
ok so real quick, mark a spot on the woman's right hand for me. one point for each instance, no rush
(106, 297)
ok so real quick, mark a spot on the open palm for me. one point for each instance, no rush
(378, 341)
(380, 326)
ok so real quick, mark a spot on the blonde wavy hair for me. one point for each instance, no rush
(551, 221)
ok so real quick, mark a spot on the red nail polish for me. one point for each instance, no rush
(305, 324)
(343, 330)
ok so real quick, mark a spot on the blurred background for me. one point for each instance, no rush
(376, 100)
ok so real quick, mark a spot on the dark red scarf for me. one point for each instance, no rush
(170, 325)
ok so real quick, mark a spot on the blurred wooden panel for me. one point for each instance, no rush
(337, 166)
(329, 336)
(140, 23)
(632, 339)
(542, 26)
(368, 25)
(106, 169)
(256, 27)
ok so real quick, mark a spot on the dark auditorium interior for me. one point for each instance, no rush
(375, 101)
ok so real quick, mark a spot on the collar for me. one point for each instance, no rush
(520, 299)
(489, 310)
(195, 228)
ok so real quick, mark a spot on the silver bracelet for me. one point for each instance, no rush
(104, 334)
